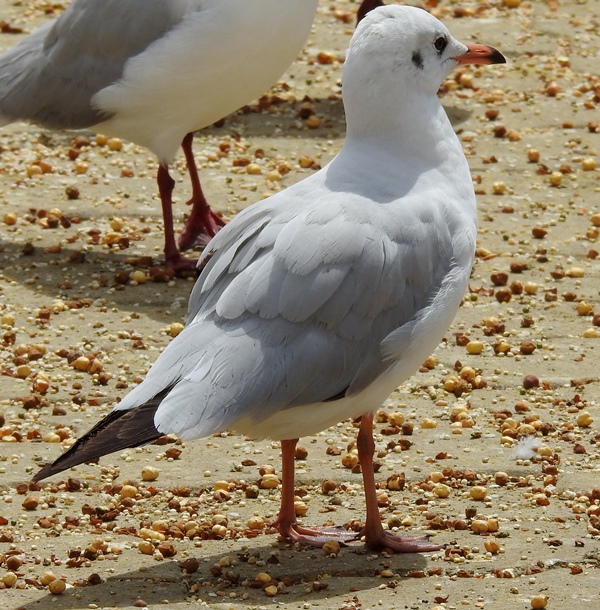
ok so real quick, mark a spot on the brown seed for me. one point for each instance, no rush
(501, 478)
(396, 482)
(499, 278)
(313, 122)
(190, 565)
(325, 57)
(491, 545)
(72, 192)
(13, 563)
(350, 460)
(530, 381)
(305, 162)
(30, 503)
(504, 295)
(518, 267)
(328, 487)
(166, 549)
(81, 364)
(527, 347)
(301, 453)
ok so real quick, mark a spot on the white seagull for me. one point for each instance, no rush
(153, 72)
(312, 306)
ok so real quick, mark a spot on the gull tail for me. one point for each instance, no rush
(118, 430)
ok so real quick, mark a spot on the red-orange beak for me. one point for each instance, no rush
(480, 54)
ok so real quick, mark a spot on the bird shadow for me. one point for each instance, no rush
(56, 275)
(301, 572)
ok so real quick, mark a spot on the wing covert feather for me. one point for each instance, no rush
(272, 327)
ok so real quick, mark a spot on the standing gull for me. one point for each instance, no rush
(312, 306)
(152, 72)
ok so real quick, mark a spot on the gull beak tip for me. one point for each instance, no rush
(480, 54)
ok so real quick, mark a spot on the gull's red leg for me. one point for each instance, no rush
(202, 223)
(166, 184)
(374, 534)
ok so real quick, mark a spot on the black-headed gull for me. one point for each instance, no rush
(152, 72)
(312, 306)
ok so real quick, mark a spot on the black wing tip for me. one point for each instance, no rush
(117, 431)
(44, 473)
(70, 458)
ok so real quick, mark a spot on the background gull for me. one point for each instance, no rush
(152, 72)
(314, 305)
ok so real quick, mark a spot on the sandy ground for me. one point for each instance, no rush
(77, 333)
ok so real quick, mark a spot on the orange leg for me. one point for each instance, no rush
(374, 534)
(286, 523)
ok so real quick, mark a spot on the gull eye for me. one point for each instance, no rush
(440, 44)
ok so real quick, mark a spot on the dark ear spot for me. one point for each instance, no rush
(417, 59)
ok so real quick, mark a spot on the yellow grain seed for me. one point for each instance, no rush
(584, 419)
(478, 492)
(474, 347)
(539, 601)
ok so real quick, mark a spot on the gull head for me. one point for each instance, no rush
(405, 48)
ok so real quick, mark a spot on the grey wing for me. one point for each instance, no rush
(50, 77)
(291, 308)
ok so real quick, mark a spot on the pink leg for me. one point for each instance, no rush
(286, 520)
(202, 223)
(374, 534)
